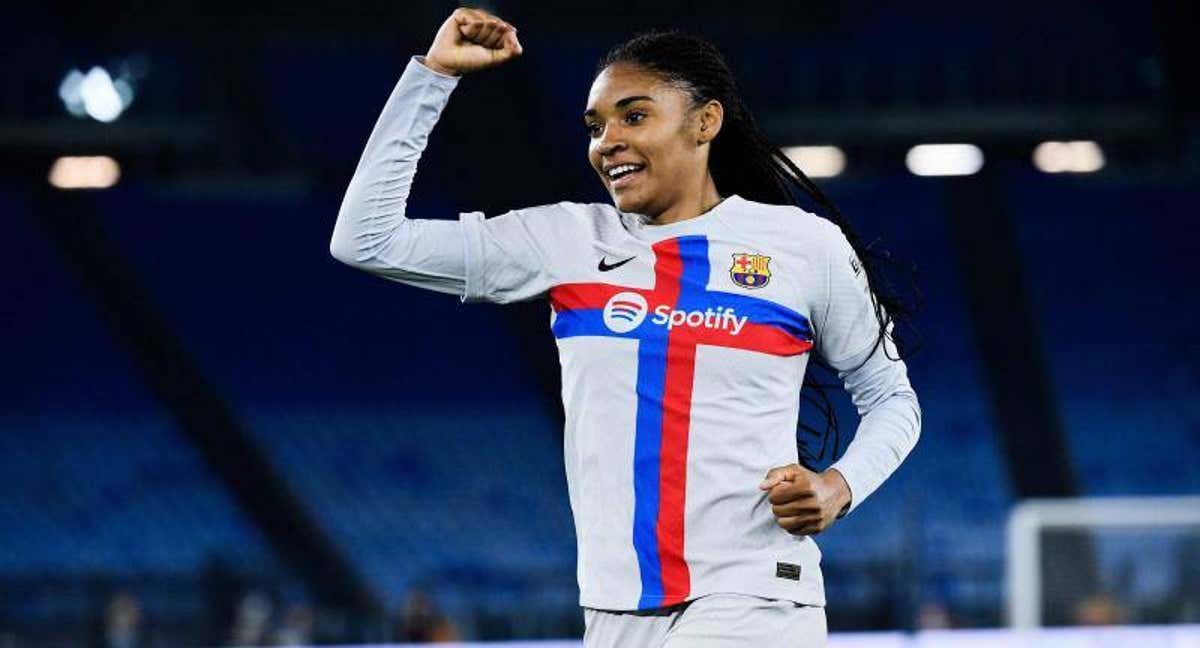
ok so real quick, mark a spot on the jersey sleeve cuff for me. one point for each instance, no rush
(858, 490)
(417, 66)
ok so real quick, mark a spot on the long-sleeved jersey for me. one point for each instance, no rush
(683, 350)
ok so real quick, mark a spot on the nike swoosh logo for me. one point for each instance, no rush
(605, 267)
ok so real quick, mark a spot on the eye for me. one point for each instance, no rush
(633, 116)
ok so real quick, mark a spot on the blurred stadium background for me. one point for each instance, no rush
(211, 433)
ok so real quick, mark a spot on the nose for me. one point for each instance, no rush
(609, 142)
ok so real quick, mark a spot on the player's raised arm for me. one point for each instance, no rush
(372, 232)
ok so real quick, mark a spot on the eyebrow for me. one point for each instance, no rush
(621, 103)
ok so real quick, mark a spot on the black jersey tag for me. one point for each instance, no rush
(788, 571)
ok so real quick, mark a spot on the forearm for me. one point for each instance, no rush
(372, 232)
(889, 427)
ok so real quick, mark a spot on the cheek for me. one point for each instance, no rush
(593, 153)
(670, 159)
(650, 149)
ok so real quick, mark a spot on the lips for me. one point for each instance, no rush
(626, 179)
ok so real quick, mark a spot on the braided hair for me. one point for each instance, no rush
(744, 162)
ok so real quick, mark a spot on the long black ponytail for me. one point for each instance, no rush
(744, 162)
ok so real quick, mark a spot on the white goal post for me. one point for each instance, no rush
(1030, 518)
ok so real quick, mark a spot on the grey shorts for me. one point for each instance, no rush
(712, 621)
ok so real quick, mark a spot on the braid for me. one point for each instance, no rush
(743, 161)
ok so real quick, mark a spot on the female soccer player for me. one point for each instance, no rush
(684, 316)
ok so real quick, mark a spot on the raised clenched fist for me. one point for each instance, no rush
(472, 39)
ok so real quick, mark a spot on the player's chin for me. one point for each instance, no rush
(630, 199)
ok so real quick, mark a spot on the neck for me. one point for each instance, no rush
(692, 205)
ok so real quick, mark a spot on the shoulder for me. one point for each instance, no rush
(558, 216)
(564, 213)
(567, 210)
(568, 220)
(564, 226)
(801, 231)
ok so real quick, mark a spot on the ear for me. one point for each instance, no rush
(711, 116)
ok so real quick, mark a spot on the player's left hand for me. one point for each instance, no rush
(805, 502)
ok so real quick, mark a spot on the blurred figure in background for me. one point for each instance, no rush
(122, 623)
(252, 621)
(420, 621)
(297, 628)
(1099, 609)
(933, 615)
(1187, 591)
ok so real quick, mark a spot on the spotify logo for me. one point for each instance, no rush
(624, 312)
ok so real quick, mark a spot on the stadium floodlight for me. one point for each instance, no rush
(84, 172)
(68, 91)
(95, 94)
(1079, 156)
(1031, 520)
(817, 161)
(100, 98)
(944, 159)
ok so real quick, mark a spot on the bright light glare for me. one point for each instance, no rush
(944, 159)
(817, 161)
(100, 98)
(68, 91)
(1081, 156)
(95, 94)
(91, 172)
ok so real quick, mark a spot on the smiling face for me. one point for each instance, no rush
(633, 117)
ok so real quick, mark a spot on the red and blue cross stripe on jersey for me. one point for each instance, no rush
(666, 367)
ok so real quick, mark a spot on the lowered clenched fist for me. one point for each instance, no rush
(472, 39)
(805, 502)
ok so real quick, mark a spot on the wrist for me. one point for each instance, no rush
(842, 488)
(436, 67)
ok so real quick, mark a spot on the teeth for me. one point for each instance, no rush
(618, 170)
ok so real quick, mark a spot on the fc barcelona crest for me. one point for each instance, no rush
(750, 270)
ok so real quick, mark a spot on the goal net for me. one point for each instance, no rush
(1104, 560)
